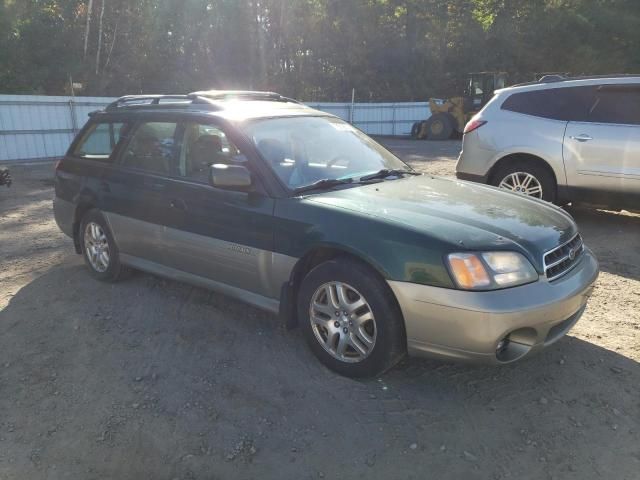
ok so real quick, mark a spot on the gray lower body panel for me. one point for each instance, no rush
(265, 303)
(225, 265)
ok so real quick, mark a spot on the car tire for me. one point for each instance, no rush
(99, 249)
(439, 127)
(510, 174)
(370, 338)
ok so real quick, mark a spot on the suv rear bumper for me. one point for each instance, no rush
(472, 177)
(463, 325)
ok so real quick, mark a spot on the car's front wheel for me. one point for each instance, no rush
(350, 318)
(99, 248)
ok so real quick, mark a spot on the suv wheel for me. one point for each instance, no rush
(99, 248)
(349, 318)
(526, 178)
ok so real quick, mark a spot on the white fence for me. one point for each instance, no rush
(42, 127)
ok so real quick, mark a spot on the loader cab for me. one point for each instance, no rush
(481, 86)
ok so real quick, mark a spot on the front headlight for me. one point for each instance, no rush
(490, 270)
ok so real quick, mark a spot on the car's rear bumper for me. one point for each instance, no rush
(64, 212)
(463, 325)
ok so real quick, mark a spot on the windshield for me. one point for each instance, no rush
(303, 150)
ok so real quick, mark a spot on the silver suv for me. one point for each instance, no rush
(566, 140)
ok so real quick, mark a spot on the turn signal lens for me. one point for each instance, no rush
(468, 271)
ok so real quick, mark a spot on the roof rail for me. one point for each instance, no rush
(146, 100)
(207, 99)
(552, 78)
(219, 95)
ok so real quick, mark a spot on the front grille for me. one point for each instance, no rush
(560, 260)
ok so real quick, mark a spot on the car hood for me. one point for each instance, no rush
(467, 215)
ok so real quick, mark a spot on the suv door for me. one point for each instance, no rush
(222, 235)
(135, 202)
(602, 152)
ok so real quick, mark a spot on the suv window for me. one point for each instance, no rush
(152, 148)
(567, 104)
(202, 146)
(100, 140)
(616, 104)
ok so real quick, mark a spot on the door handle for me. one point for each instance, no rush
(583, 137)
(178, 204)
(157, 186)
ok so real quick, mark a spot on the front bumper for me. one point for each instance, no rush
(464, 325)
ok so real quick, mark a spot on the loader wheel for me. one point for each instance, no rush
(415, 130)
(439, 127)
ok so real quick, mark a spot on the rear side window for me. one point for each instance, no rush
(566, 104)
(616, 104)
(100, 140)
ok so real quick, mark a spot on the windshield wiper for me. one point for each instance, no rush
(388, 172)
(325, 183)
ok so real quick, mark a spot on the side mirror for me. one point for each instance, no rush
(222, 175)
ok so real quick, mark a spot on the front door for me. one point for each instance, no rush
(223, 235)
(602, 154)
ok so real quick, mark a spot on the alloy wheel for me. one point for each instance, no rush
(96, 246)
(343, 322)
(522, 182)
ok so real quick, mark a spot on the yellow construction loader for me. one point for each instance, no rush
(449, 116)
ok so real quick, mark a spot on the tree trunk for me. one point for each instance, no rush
(113, 42)
(86, 30)
(99, 38)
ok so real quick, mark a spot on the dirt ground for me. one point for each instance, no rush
(156, 379)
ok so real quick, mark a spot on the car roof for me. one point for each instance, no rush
(232, 105)
(573, 82)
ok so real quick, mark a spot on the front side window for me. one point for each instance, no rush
(202, 146)
(152, 148)
(100, 140)
(303, 150)
(616, 104)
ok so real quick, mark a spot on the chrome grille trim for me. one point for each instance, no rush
(558, 261)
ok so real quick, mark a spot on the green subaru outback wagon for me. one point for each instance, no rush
(295, 211)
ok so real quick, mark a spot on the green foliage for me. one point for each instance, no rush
(309, 49)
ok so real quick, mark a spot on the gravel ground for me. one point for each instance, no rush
(150, 378)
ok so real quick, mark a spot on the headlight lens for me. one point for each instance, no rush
(490, 270)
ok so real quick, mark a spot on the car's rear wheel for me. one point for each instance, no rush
(99, 248)
(350, 318)
(527, 178)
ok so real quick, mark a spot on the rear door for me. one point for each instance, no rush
(602, 152)
(135, 197)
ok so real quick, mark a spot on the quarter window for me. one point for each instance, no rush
(100, 140)
(152, 148)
